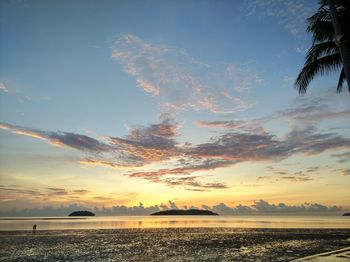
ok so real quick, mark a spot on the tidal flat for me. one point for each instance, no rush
(170, 244)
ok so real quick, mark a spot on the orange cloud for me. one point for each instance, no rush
(96, 162)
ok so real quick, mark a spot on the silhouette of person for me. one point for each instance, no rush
(34, 229)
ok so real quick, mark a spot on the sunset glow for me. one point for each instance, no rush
(164, 104)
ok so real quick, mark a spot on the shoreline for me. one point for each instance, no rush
(43, 218)
(2, 231)
(170, 244)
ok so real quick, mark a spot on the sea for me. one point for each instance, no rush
(119, 222)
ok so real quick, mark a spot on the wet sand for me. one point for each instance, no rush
(172, 244)
(42, 218)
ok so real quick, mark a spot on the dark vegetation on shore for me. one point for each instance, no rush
(82, 214)
(181, 212)
(346, 214)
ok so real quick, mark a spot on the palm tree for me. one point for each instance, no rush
(324, 57)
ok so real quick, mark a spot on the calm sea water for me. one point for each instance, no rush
(116, 222)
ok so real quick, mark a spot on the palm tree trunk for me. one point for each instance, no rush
(340, 41)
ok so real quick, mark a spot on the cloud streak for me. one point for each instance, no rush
(342, 157)
(237, 141)
(143, 145)
(60, 138)
(181, 176)
(255, 126)
(13, 192)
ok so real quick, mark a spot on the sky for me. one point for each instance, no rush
(116, 103)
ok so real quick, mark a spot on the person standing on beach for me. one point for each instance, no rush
(34, 229)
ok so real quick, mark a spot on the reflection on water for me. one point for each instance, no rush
(110, 222)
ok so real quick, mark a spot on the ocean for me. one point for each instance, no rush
(118, 222)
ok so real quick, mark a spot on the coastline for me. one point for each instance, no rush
(43, 218)
(170, 244)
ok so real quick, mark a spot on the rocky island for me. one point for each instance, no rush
(182, 212)
(81, 214)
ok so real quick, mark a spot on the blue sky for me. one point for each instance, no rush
(153, 86)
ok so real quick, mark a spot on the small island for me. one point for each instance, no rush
(181, 212)
(81, 214)
(346, 214)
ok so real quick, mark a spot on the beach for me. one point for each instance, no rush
(170, 244)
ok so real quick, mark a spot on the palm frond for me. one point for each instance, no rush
(321, 31)
(342, 78)
(321, 49)
(323, 57)
(320, 66)
(320, 25)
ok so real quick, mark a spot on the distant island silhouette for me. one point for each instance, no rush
(346, 214)
(81, 214)
(181, 212)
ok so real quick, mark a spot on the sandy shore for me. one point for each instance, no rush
(182, 244)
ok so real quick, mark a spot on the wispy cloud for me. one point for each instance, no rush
(314, 113)
(255, 126)
(346, 172)
(291, 14)
(103, 163)
(180, 176)
(299, 176)
(8, 193)
(191, 183)
(14, 192)
(181, 82)
(3, 88)
(342, 157)
(288, 81)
